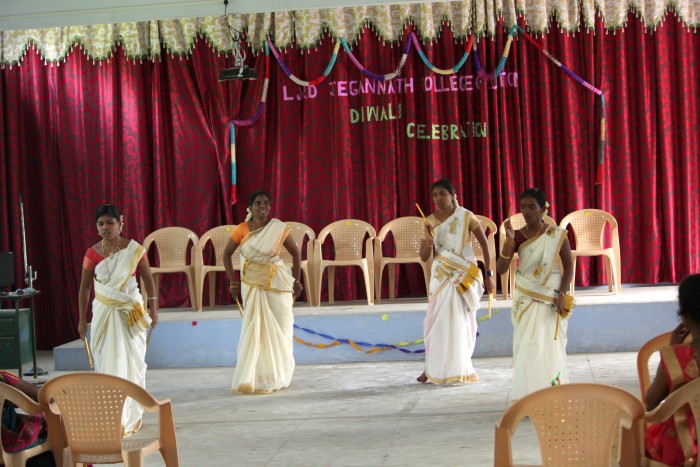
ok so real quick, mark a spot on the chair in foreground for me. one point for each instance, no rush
(348, 238)
(172, 244)
(688, 394)
(576, 424)
(508, 277)
(90, 406)
(299, 232)
(218, 236)
(407, 233)
(54, 440)
(588, 226)
(644, 355)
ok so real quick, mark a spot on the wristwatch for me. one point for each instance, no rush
(489, 273)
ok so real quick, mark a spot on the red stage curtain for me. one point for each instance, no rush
(152, 138)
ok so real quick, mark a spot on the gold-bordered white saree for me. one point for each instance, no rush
(119, 322)
(537, 357)
(265, 349)
(449, 328)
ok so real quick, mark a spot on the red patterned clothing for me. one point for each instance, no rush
(674, 441)
(19, 431)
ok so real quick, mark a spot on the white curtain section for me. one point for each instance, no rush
(304, 28)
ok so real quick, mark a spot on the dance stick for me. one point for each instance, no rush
(421, 212)
(240, 308)
(490, 298)
(87, 352)
(556, 331)
(148, 337)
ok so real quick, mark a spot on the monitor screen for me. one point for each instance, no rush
(7, 269)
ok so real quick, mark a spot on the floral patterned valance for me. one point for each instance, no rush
(305, 28)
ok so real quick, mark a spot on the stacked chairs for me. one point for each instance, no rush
(173, 244)
(357, 244)
(407, 233)
(588, 226)
(349, 237)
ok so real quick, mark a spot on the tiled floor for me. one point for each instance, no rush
(358, 414)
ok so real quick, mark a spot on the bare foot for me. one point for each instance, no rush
(422, 378)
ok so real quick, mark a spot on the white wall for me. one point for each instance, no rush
(30, 14)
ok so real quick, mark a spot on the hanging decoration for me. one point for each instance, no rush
(357, 345)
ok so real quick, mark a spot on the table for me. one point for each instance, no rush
(17, 338)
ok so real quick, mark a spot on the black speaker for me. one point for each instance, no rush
(7, 269)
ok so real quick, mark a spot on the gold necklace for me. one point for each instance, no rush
(108, 259)
(527, 227)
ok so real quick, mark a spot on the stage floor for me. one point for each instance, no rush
(601, 322)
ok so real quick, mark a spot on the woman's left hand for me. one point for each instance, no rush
(561, 305)
(153, 313)
(297, 288)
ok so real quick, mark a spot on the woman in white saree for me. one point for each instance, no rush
(119, 320)
(456, 285)
(265, 348)
(541, 304)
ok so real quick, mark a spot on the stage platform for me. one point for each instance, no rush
(601, 322)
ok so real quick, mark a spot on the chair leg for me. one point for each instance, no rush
(331, 284)
(212, 290)
(191, 291)
(608, 273)
(573, 274)
(317, 285)
(368, 284)
(505, 280)
(378, 272)
(392, 281)
(426, 277)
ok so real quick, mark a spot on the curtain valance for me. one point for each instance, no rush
(304, 28)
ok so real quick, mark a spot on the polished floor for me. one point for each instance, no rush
(355, 414)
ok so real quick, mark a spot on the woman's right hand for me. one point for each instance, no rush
(82, 329)
(679, 334)
(510, 233)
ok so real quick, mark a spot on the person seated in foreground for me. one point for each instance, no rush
(674, 442)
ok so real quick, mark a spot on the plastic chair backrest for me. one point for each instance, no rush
(219, 237)
(489, 228)
(172, 244)
(90, 406)
(348, 238)
(645, 353)
(407, 233)
(298, 233)
(588, 226)
(30, 407)
(576, 424)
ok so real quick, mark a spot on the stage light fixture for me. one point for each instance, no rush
(240, 70)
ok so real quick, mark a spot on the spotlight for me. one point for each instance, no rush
(240, 69)
(243, 72)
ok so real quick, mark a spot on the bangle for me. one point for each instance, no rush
(506, 257)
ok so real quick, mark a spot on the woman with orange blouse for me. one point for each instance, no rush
(265, 349)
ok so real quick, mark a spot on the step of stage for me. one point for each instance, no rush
(601, 322)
